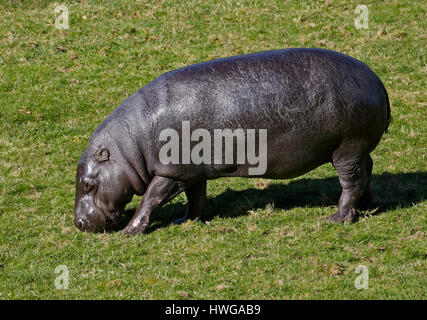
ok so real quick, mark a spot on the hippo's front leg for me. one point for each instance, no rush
(159, 191)
(196, 196)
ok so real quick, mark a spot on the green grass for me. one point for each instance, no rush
(266, 239)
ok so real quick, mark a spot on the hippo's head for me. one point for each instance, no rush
(103, 188)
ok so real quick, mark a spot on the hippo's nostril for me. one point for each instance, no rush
(80, 224)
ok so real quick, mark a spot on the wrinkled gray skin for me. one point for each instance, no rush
(318, 106)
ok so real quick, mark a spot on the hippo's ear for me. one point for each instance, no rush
(102, 154)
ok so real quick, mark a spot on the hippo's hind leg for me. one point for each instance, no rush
(196, 196)
(354, 176)
(365, 201)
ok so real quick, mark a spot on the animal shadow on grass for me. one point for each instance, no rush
(390, 191)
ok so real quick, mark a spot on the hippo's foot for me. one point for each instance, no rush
(185, 219)
(181, 220)
(347, 216)
(191, 213)
(133, 230)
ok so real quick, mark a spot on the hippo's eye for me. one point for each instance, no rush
(88, 186)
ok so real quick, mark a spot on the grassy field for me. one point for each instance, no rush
(265, 239)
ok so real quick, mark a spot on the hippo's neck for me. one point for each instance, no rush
(134, 161)
(121, 133)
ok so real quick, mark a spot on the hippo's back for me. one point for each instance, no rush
(294, 88)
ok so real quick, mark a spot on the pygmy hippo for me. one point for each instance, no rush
(286, 111)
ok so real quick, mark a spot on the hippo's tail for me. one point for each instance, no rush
(389, 118)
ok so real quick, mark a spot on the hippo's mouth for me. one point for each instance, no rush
(91, 217)
(112, 218)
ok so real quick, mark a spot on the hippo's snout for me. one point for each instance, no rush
(88, 217)
(85, 225)
(80, 224)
